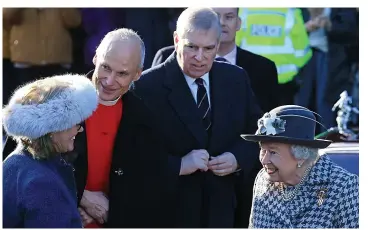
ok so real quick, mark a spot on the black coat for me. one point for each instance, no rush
(137, 193)
(202, 199)
(137, 197)
(261, 71)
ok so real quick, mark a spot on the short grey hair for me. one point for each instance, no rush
(304, 153)
(202, 18)
(122, 34)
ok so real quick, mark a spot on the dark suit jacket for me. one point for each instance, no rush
(261, 71)
(343, 46)
(137, 195)
(202, 199)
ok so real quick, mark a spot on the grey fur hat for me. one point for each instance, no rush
(61, 111)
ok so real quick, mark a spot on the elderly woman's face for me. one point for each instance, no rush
(278, 161)
(64, 140)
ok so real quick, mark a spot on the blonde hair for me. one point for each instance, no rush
(39, 92)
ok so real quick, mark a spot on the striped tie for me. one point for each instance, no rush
(222, 59)
(203, 104)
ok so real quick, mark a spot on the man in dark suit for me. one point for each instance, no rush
(202, 107)
(120, 169)
(263, 78)
(261, 71)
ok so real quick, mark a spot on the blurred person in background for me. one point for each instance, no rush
(40, 43)
(278, 34)
(9, 80)
(97, 22)
(332, 36)
(44, 117)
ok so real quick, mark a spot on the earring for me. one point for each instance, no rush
(299, 165)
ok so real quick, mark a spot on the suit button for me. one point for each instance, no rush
(119, 172)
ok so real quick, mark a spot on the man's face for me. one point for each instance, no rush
(115, 71)
(230, 23)
(196, 51)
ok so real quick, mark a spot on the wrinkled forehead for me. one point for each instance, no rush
(200, 38)
(121, 54)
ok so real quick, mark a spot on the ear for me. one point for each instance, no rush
(138, 75)
(94, 60)
(238, 23)
(176, 40)
(300, 163)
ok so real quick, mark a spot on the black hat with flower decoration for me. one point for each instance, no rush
(289, 124)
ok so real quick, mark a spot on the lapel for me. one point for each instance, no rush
(241, 58)
(123, 139)
(221, 104)
(181, 100)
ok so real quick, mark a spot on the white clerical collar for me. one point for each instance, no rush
(108, 103)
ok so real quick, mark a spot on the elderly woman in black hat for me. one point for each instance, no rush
(38, 183)
(298, 188)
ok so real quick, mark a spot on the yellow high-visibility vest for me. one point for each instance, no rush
(278, 34)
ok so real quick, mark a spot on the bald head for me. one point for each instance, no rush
(193, 19)
(121, 38)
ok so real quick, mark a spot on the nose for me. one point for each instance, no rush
(222, 21)
(264, 157)
(199, 55)
(110, 79)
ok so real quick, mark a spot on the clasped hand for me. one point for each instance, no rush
(221, 165)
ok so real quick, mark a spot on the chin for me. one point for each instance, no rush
(70, 148)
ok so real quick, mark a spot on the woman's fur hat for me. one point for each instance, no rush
(72, 105)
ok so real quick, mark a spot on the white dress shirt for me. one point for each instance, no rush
(194, 87)
(231, 57)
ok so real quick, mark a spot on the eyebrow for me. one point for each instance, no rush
(209, 46)
(230, 13)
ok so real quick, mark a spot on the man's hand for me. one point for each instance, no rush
(312, 25)
(96, 205)
(223, 164)
(325, 22)
(196, 159)
(86, 219)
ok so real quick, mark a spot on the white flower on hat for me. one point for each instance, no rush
(270, 124)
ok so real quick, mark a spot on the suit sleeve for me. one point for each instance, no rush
(245, 152)
(158, 59)
(347, 213)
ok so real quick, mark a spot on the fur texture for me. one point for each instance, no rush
(75, 104)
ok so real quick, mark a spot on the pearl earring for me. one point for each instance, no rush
(299, 165)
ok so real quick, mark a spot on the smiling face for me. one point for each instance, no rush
(117, 69)
(64, 140)
(196, 51)
(278, 161)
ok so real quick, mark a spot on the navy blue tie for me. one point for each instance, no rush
(203, 104)
(222, 59)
